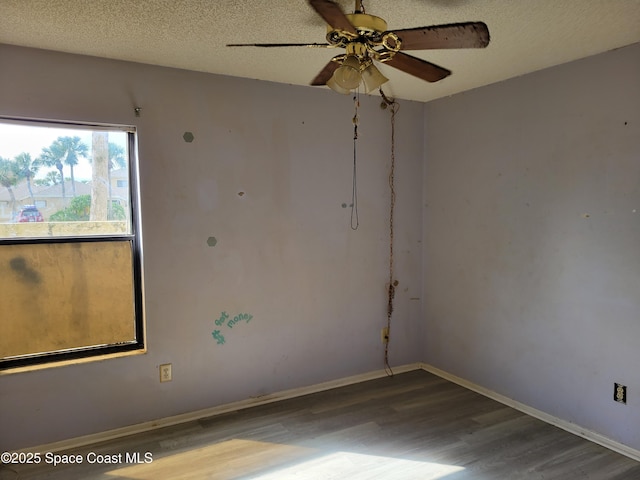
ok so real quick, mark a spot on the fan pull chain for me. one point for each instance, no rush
(392, 283)
(355, 223)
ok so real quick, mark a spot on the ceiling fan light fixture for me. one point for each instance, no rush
(365, 38)
(373, 78)
(348, 75)
(331, 83)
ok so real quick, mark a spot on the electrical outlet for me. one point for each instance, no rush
(165, 372)
(384, 335)
(620, 393)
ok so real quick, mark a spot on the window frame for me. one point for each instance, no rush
(134, 237)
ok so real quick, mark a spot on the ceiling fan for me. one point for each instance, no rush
(367, 40)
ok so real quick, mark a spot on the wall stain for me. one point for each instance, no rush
(26, 274)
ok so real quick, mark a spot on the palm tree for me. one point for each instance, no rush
(73, 148)
(99, 175)
(27, 169)
(52, 156)
(8, 178)
(117, 158)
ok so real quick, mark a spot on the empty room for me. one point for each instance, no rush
(319, 239)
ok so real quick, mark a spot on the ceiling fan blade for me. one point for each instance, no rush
(418, 67)
(333, 15)
(325, 74)
(310, 45)
(454, 35)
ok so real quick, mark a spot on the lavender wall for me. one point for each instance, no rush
(532, 235)
(530, 218)
(285, 252)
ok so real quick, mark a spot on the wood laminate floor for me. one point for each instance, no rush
(411, 426)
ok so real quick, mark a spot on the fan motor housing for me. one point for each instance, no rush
(369, 28)
(367, 23)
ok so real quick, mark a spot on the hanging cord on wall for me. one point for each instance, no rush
(392, 283)
(354, 193)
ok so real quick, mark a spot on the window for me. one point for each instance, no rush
(70, 246)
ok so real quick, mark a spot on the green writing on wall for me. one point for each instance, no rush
(225, 320)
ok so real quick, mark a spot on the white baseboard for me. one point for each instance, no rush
(297, 392)
(78, 442)
(545, 417)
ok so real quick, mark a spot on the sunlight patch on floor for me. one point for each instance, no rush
(341, 465)
(272, 461)
(230, 459)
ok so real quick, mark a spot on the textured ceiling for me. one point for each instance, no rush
(526, 35)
